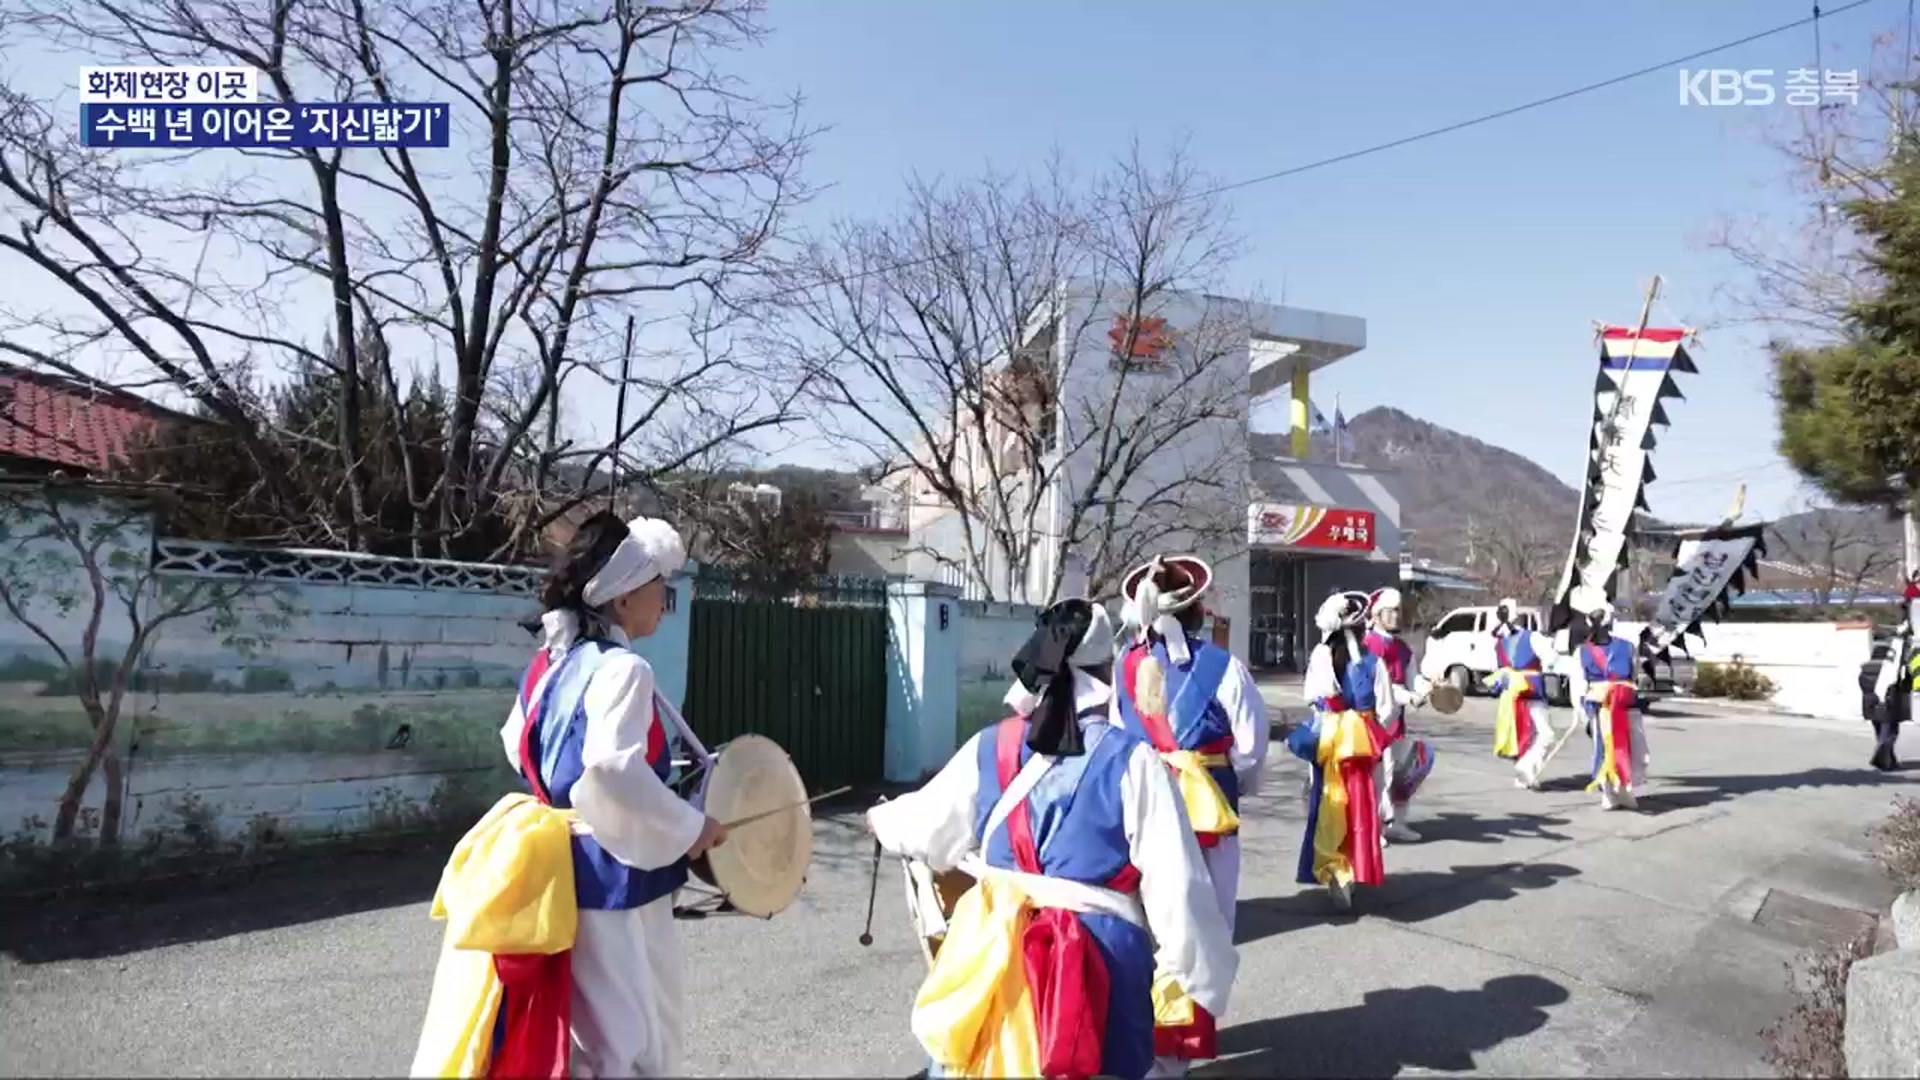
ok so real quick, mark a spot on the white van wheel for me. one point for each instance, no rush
(1460, 679)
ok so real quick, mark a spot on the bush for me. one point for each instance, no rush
(1899, 844)
(1734, 680)
(1811, 1041)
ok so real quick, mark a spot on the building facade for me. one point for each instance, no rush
(1180, 379)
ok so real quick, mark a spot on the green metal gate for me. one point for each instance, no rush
(809, 673)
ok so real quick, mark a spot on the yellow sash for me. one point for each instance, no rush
(1208, 810)
(1512, 685)
(1171, 1005)
(974, 1013)
(1343, 737)
(507, 889)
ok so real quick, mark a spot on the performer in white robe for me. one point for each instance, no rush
(1344, 747)
(1076, 823)
(1523, 730)
(589, 731)
(1603, 683)
(1408, 760)
(1215, 731)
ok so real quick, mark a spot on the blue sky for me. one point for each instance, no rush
(1479, 258)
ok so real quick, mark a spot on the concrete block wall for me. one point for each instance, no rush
(990, 633)
(321, 698)
(1814, 666)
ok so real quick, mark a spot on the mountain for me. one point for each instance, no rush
(1461, 493)
(1466, 497)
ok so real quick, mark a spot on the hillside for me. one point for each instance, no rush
(1462, 493)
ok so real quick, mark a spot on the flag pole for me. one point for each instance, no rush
(1339, 436)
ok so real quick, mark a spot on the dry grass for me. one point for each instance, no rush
(1736, 680)
(1899, 843)
(1810, 1042)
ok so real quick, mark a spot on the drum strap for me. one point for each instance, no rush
(1016, 793)
(664, 710)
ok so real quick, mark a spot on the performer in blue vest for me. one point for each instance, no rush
(1522, 731)
(1605, 688)
(1345, 747)
(589, 731)
(1086, 874)
(1198, 706)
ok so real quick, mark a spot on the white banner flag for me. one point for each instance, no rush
(1708, 566)
(1636, 375)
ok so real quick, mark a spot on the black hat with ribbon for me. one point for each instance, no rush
(1071, 634)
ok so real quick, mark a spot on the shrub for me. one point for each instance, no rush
(1899, 843)
(1736, 680)
(1810, 1042)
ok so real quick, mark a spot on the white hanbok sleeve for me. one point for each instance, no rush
(1543, 648)
(512, 732)
(632, 812)
(1191, 938)
(935, 824)
(1246, 710)
(1321, 682)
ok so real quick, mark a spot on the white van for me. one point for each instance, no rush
(1459, 649)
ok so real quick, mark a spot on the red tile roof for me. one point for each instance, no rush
(70, 424)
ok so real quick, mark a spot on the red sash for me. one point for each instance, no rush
(536, 1007)
(1066, 972)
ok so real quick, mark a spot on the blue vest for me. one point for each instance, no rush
(556, 728)
(1194, 712)
(1618, 667)
(1079, 833)
(1515, 650)
(1356, 683)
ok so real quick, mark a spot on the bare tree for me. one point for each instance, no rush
(1036, 366)
(74, 569)
(602, 162)
(1840, 553)
(1805, 271)
(1513, 551)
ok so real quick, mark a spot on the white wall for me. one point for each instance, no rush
(1815, 667)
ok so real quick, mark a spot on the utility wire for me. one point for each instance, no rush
(1392, 144)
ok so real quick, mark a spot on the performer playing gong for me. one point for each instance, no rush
(1604, 687)
(1344, 747)
(1522, 731)
(1408, 760)
(592, 979)
(1198, 705)
(1087, 873)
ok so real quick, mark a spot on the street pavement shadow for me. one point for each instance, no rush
(93, 926)
(1422, 1028)
(1662, 797)
(1487, 829)
(1407, 897)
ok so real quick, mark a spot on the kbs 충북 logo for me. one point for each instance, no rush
(1805, 87)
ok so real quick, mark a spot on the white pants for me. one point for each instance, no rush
(1223, 866)
(1529, 764)
(629, 1012)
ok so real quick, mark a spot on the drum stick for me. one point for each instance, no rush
(751, 818)
(873, 891)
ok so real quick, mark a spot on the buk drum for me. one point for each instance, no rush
(762, 866)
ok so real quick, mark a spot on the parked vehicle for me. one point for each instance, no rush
(1459, 650)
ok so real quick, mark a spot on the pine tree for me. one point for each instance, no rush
(1849, 412)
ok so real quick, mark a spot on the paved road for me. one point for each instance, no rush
(1529, 934)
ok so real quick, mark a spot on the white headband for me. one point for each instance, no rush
(651, 549)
